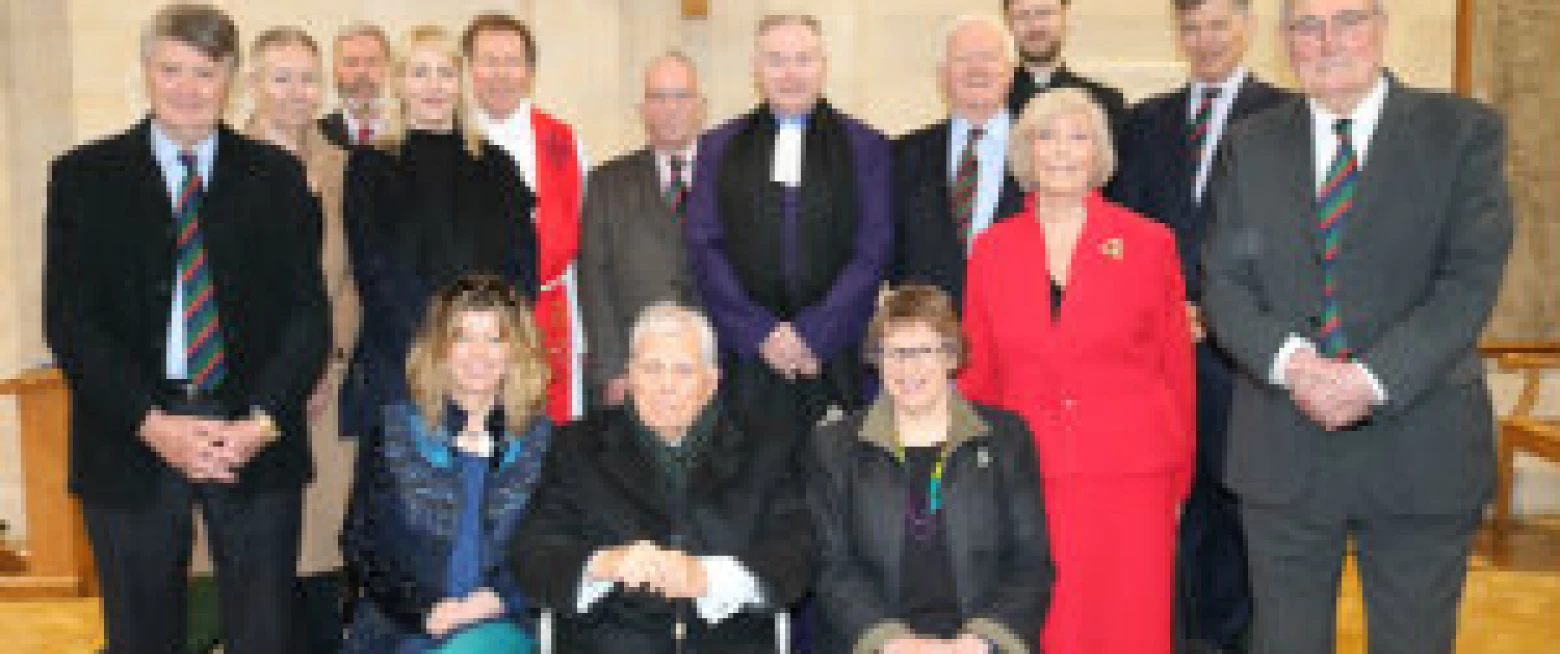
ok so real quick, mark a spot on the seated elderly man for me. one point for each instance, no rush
(668, 524)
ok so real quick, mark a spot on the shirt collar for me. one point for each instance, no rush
(167, 151)
(997, 125)
(1365, 114)
(1227, 86)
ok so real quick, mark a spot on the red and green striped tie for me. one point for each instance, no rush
(1335, 202)
(203, 344)
(1201, 125)
(966, 181)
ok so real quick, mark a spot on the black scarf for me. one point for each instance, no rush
(752, 210)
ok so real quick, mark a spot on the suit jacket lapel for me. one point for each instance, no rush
(1392, 142)
(227, 171)
(657, 213)
(151, 195)
(1296, 155)
(939, 150)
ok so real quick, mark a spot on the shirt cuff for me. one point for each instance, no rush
(591, 590)
(1377, 388)
(729, 587)
(1292, 345)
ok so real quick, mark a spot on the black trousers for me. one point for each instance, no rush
(143, 557)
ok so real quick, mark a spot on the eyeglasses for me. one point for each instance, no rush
(909, 354)
(1313, 28)
(670, 96)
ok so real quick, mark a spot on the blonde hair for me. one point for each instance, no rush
(443, 42)
(525, 377)
(1039, 112)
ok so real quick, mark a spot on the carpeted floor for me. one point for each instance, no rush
(1510, 607)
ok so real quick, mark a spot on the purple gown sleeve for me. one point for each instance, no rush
(741, 322)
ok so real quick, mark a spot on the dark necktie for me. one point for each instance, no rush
(204, 350)
(1335, 203)
(1202, 125)
(676, 187)
(966, 181)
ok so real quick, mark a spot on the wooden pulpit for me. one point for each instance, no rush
(56, 560)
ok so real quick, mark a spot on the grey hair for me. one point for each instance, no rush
(1287, 8)
(1242, 6)
(771, 21)
(363, 28)
(1009, 46)
(673, 55)
(200, 26)
(670, 318)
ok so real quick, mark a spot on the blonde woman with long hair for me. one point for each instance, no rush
(428, 202)
(448, 479)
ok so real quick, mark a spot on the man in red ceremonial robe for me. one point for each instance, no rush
(500, 54)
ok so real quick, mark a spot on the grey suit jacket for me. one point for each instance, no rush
(631, 255)
(1421, 263)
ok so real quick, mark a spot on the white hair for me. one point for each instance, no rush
(1287, 8)
(1009, 46)
(668, 318)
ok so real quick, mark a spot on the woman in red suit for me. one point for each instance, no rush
(1076, 321)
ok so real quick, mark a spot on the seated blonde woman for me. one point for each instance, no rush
(443, 488)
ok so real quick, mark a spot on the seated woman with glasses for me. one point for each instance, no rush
(927, 506)
(444, 487)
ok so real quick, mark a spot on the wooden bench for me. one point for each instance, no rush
(57, 561)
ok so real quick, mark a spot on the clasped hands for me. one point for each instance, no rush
(205, 449)
(785, 351)
(452, 613)
(965, 644)
(1335, 394)
(645, 565)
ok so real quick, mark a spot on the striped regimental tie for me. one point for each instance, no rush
(1334, 204)
(966, 181)
(203, 345)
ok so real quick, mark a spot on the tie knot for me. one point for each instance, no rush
(187, 160)
(1343, 127)
(675, 163)
(976, 133)
(1211, 93)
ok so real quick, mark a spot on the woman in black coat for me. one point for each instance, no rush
(927, 506)
(429, 202)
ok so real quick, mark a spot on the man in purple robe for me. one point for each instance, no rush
(789, 228)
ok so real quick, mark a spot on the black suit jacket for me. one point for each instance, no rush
(927, 248)
(108, 284)
(334, 127)
(1157, 166)
(601, 487)
(1109, 97)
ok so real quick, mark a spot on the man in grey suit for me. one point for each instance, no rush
(1358, 243)
(631, 245)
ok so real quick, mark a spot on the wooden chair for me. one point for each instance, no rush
(1520, 430)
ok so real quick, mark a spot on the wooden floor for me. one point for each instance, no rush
(1511, 606)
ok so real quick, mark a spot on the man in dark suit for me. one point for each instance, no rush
(360, 61)
(631, 246)
(951, 177)
(1167, 151)
(1358, 243)
(1040, 26)
(675, 522)
(183, 300)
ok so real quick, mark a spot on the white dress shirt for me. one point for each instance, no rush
(1324, 145)
(663, 165)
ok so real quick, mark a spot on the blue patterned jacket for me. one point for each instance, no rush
(400, 530)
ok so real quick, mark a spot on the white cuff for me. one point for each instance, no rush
(729, 587)
(1292, 344)
(591, 590)
(1376, 386)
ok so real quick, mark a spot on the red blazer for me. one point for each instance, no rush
(1107, 387)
